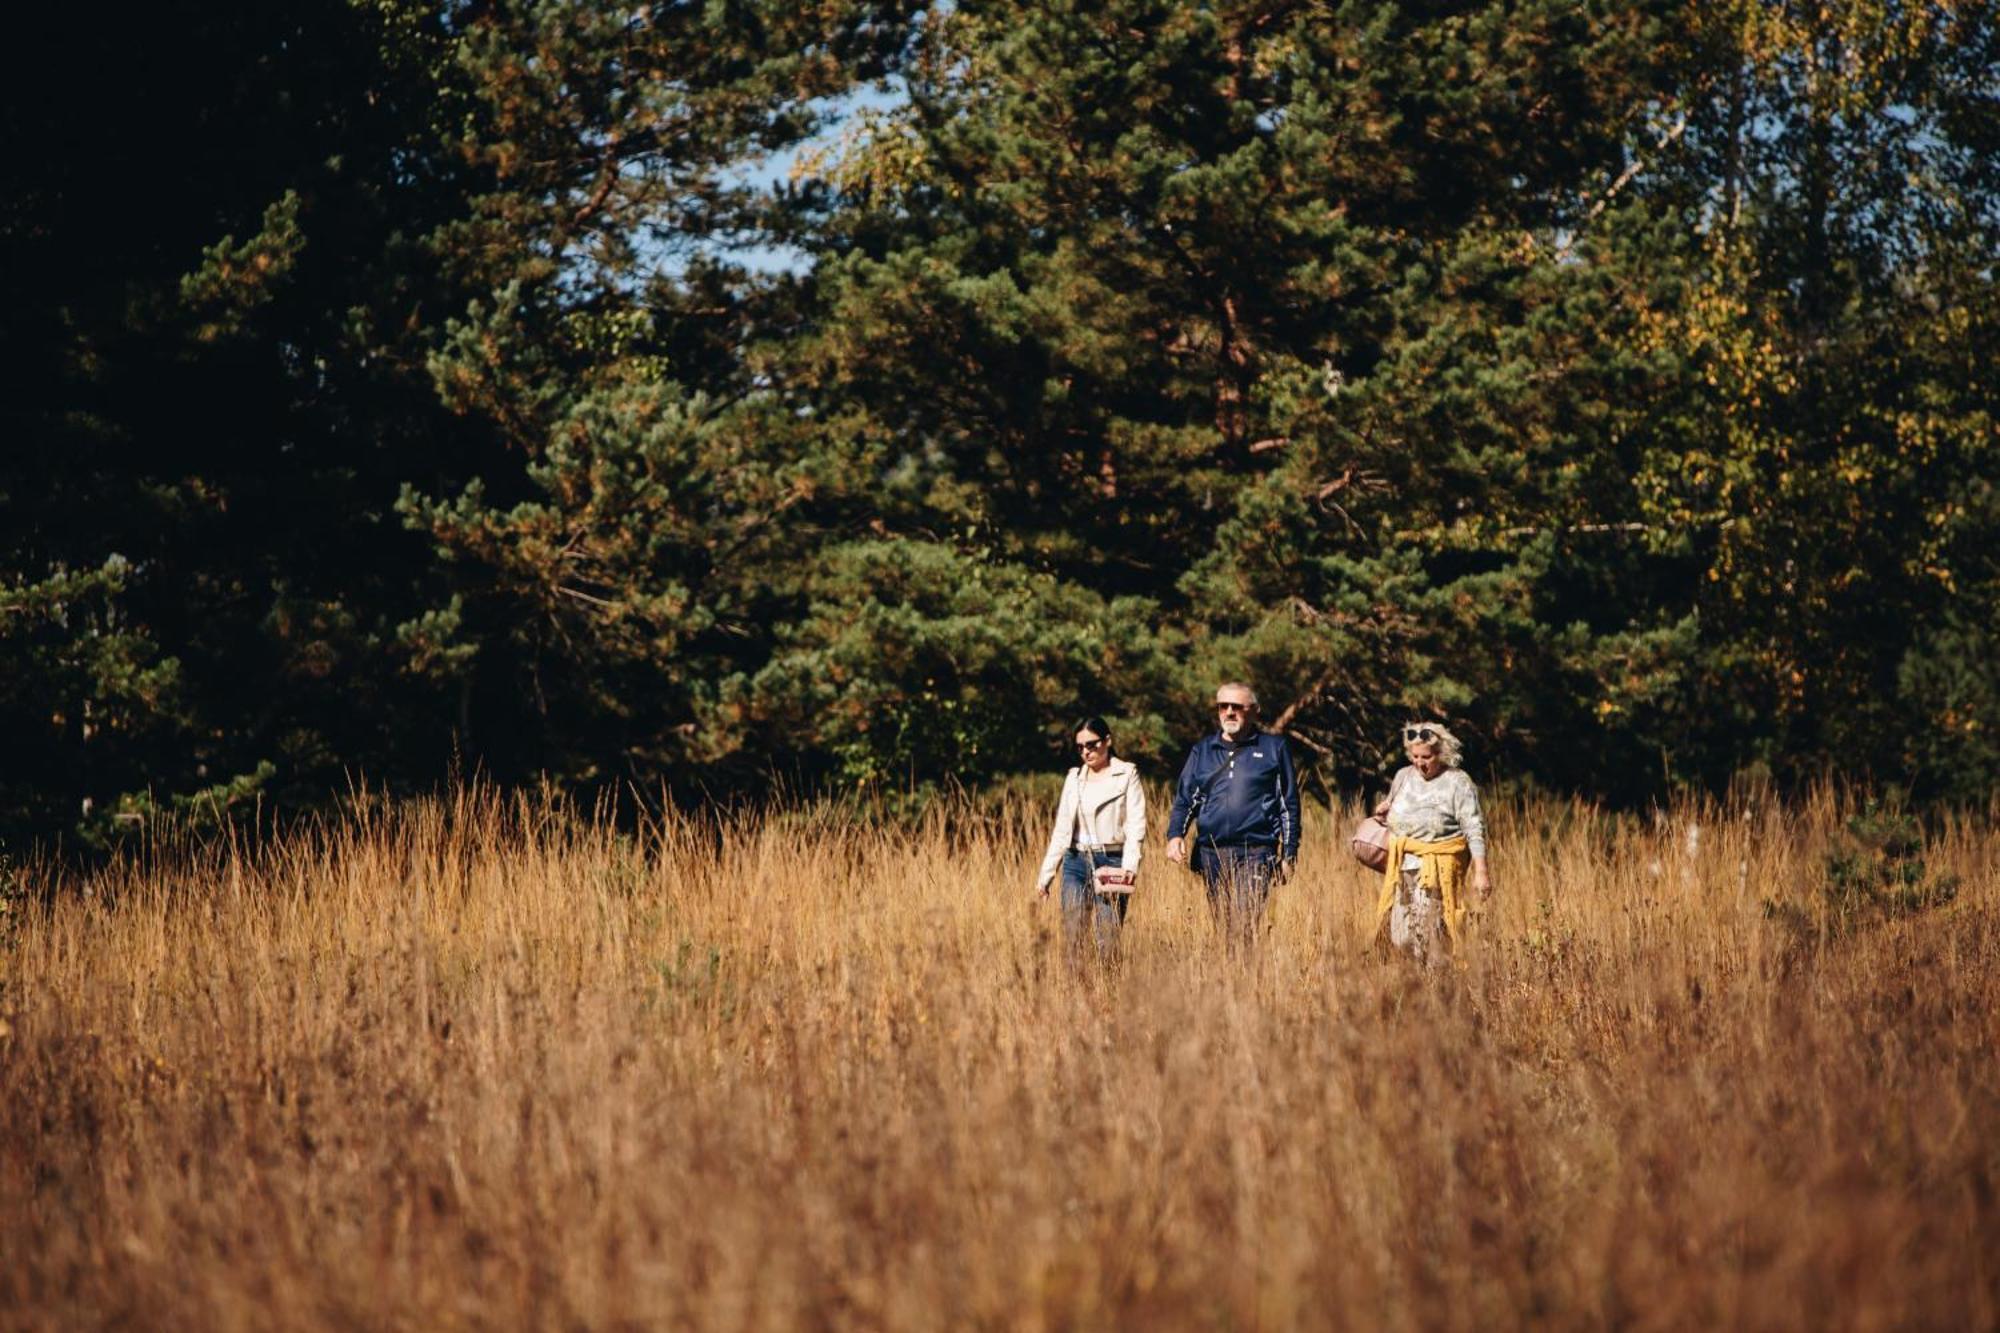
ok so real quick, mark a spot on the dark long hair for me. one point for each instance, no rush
(1098, 727)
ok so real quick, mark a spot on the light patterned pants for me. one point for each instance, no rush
(1416, 921)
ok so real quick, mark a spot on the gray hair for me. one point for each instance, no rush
(1238, 685)
(1449, 747)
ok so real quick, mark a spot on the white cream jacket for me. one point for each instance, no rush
(1108, 811)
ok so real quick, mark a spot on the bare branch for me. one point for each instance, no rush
(1637, 165)
(1284, 719)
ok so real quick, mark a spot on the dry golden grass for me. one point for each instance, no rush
(488, 1064)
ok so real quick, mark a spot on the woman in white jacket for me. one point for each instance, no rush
(1100, 821)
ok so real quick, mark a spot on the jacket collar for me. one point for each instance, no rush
(1116, 767)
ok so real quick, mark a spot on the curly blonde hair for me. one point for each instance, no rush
(1449, 748)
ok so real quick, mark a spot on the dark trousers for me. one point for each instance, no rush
(1239, 883)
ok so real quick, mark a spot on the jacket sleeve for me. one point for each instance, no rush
(1135, 821)
(1184, 796)
(1052, 855)
(1288, 802)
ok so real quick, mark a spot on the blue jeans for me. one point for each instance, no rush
(1084, 913)
(1239, 883)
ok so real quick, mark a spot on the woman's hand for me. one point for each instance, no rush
(1482, 883)
(1041, 892)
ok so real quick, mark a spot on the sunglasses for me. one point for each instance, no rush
(1415, 734)
(1090, 747)
(1224, 706)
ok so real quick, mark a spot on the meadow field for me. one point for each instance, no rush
(486, 1062)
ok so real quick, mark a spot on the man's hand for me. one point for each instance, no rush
(1482, 883)
(1177, 850)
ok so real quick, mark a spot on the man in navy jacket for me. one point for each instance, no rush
(1241, 791)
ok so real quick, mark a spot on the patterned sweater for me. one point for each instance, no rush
(1448, 804)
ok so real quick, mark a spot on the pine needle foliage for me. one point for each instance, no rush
(669, 396)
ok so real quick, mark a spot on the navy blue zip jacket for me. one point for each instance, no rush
(1243, 795)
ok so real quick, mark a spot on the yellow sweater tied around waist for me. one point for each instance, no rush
(1441, 869)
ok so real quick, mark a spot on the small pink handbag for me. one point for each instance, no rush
(1115, 881)
(1371, 842)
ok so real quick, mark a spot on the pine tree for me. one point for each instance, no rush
(201, 205)
(1259, 317)
(610, 557)
(366, 452)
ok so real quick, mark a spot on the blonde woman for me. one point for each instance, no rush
(1100, 821)
(1437, 846)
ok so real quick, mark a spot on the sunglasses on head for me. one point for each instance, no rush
(1412, 735)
